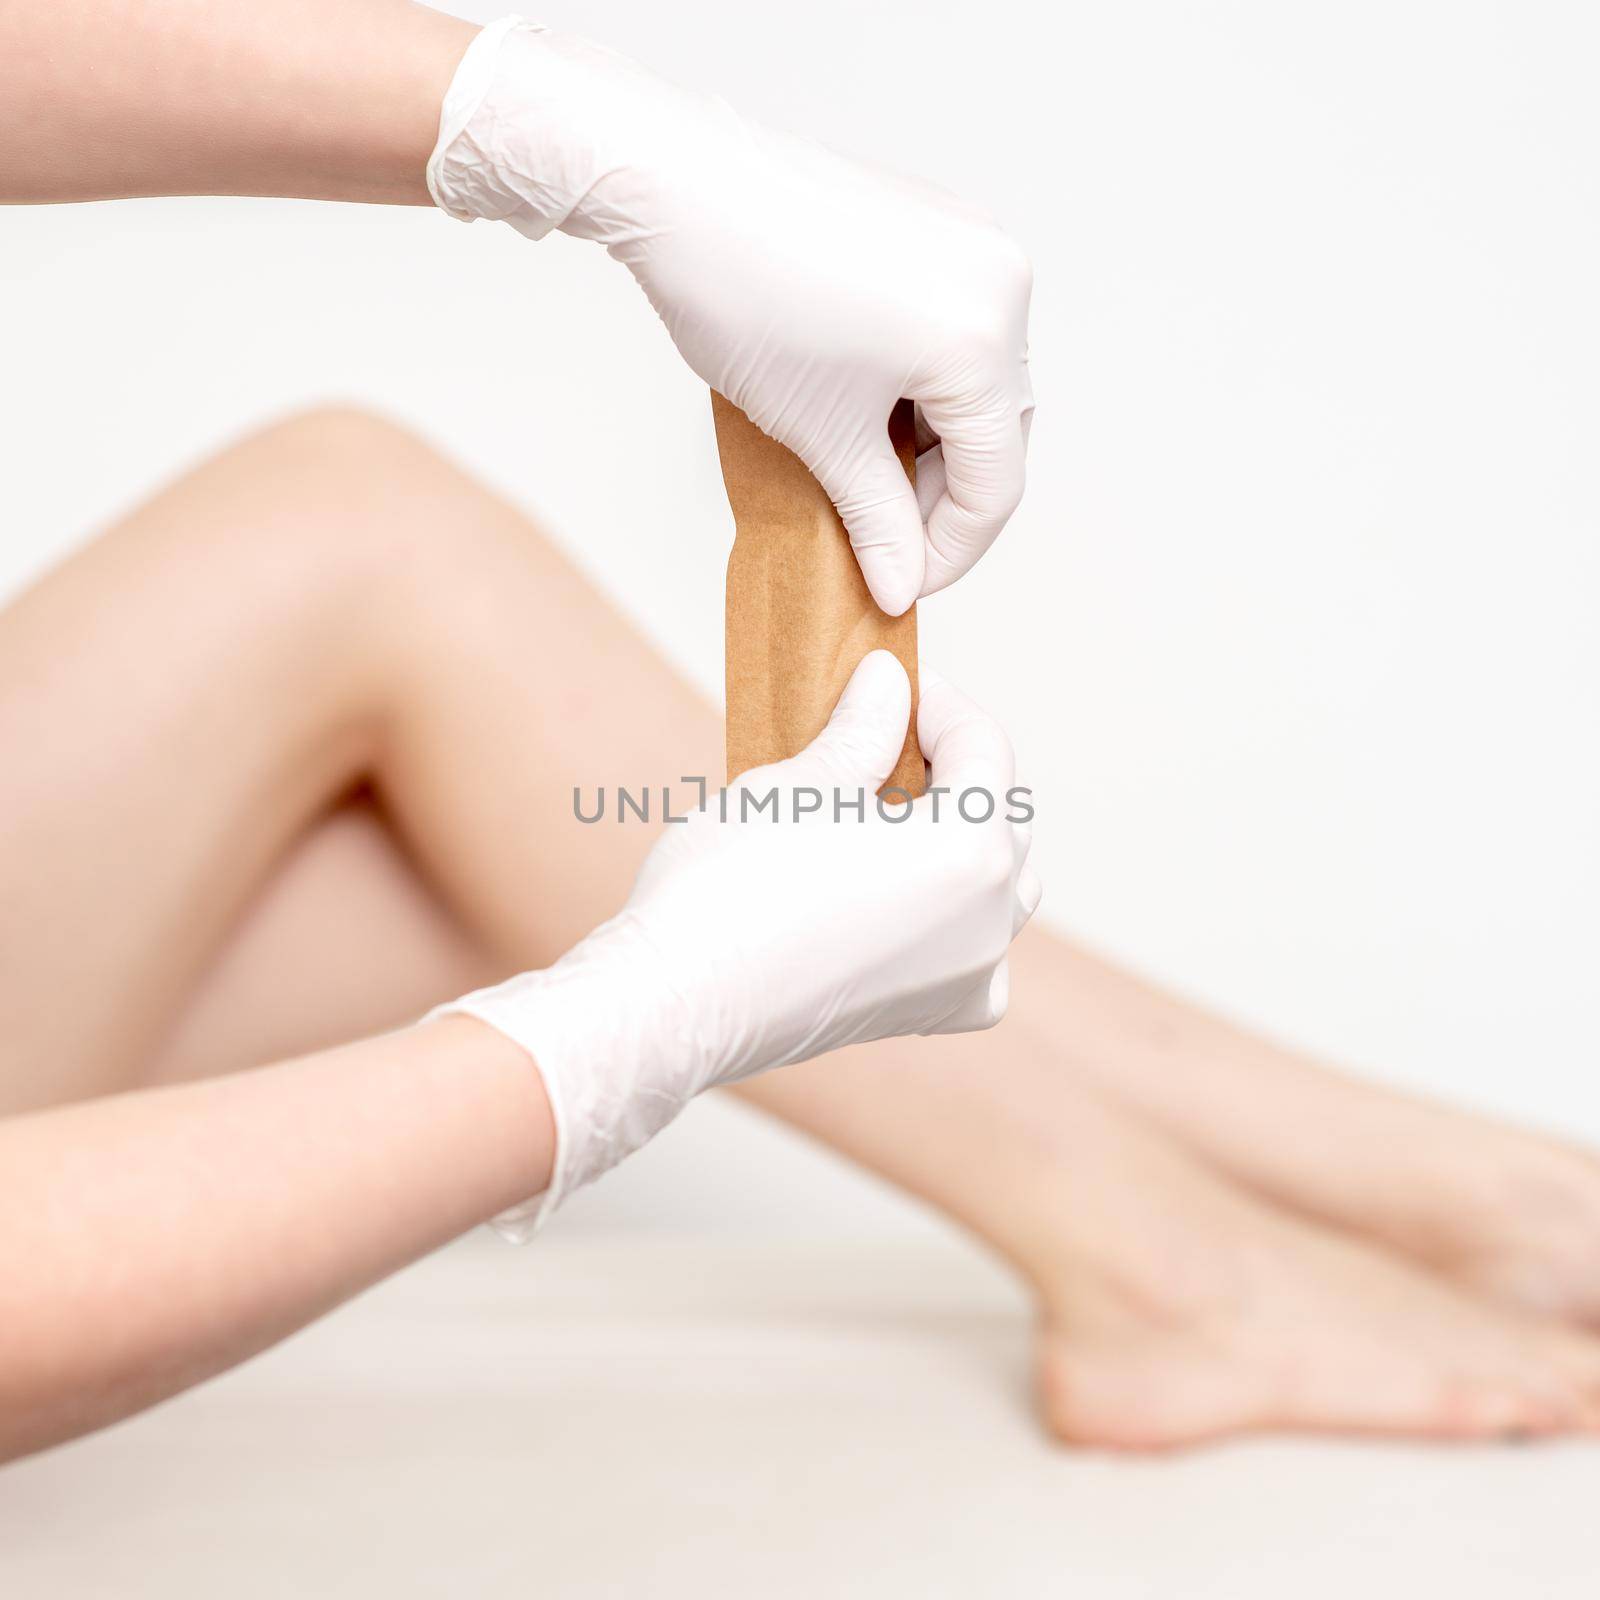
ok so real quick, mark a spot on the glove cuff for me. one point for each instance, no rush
(460, 172)
(545, 130)
(614, 1042)
(531, 122)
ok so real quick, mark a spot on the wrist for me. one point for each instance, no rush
(616, 1045)
(483, 1081)
(401, 110)
(350, 114)
(547, 131)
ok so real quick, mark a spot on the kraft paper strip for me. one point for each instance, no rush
(799, 616)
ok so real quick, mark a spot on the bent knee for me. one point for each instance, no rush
(340, 436)
(347, 490)
(338, 505)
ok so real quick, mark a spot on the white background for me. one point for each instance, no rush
(1295, 631)
(1295, 634)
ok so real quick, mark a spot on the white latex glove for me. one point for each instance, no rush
(747, 944)
(813, 292)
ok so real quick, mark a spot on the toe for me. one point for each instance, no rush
(1576, 1356)
(1486, 1408)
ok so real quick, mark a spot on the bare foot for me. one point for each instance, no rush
(1497, 1209)
(1503, 1212)
(1178, 1308)
(1266, 1324)
(1181, 1300)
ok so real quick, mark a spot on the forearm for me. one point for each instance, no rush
(105, 98)
(151, 1240)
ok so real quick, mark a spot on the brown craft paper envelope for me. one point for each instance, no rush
(799, 616)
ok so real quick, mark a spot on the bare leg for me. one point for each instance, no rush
(325, 607)
(154, 1239)
(1507, 1212)
(1174, 1306)
(426, 641)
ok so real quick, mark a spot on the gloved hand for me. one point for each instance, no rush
(811, 291)
(759, 940)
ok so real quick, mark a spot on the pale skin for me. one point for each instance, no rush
(108, 98)
(324, 727)
(305, 770)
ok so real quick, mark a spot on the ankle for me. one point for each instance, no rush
(1099, 1275)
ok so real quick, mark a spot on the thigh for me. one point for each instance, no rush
(345, 939)
(329, 606)
(179, 702)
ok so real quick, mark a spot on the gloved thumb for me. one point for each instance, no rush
(864, 736)
(878, 507)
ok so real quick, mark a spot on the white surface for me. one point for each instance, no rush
(693, 1419)
(1299, 651)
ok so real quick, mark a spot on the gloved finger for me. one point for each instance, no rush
(984, 466)
(1030, 891)
(930, 480)
(879, 510)
(1021, 840)
(864, 736)
(982, 1007)
(930, 456)
(964, 746)
(930, 461)
(999, 995)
